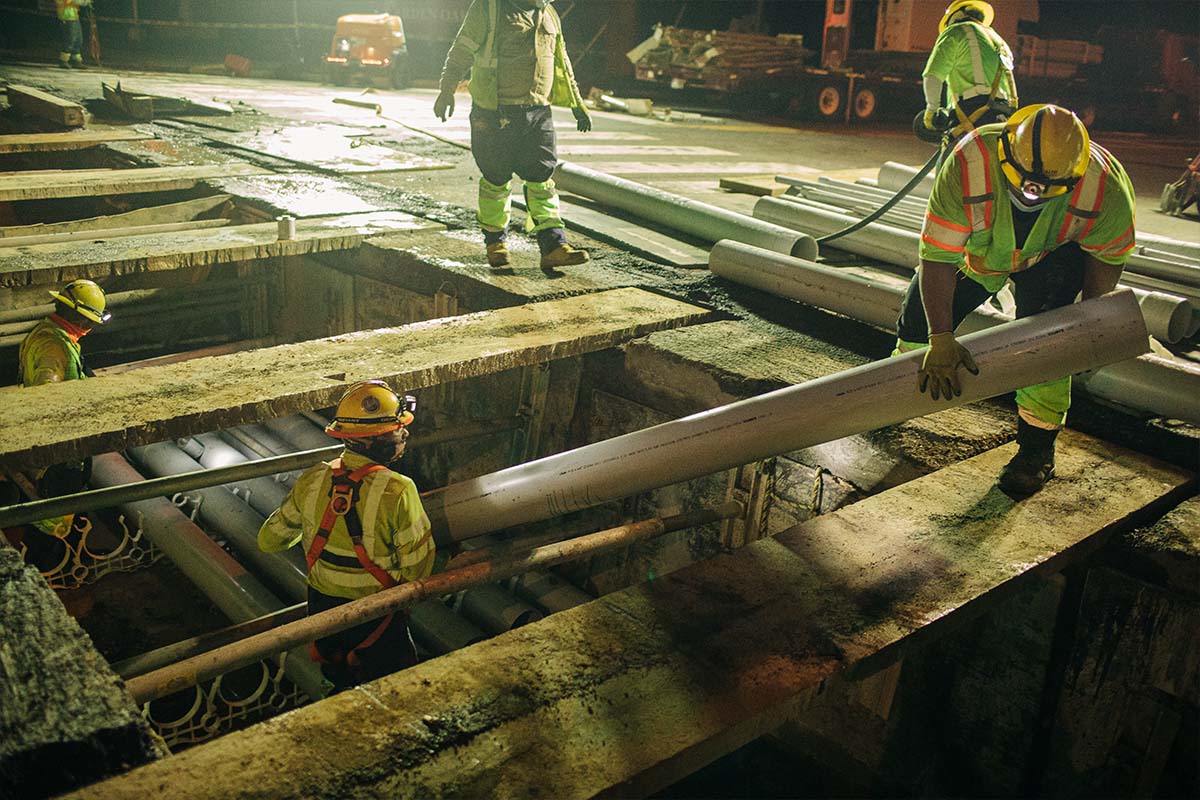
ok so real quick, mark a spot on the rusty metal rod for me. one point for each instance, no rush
(166, 486)
(191, 671)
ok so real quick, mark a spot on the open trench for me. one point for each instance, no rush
(156, 579)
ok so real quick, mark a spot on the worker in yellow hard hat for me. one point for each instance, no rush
(1033, 201)
(363, 529)
(50, 353)
(517, 60)
(973, 66)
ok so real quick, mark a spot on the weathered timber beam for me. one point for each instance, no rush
(626, 694)
(65, 261)
(69, 140)
(184, 211)
(157, 403)
(98, 182)
(36, 103)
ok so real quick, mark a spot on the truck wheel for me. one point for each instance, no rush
(828, 101)
(866, 103)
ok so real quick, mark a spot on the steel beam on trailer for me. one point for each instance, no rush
(141, 407)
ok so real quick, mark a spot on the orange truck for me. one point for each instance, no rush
(366, 47)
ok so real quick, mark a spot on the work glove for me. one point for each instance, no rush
(583, 121)
(939, 370)
(927, 119)
(444, 106)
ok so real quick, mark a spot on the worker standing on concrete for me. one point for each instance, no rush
(71, 53)
(363, 528)
(1033, 201)
(50, 353)
(974, 66)
(519, 67)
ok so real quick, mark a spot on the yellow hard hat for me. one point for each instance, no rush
(370, 408)
(1044, 147)
(978, 6)
(86, 298)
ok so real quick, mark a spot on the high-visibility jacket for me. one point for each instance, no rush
(969, 219)
(396, 533)
(67, 10)
(477, 49)
(967, 56)
(50, 352)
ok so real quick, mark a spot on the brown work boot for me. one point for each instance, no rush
(563, 256)
(497, 255)
(1033, 464)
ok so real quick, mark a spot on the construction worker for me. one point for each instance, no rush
(975, 68)
(50, 353)
(363, 528)
(1034, 201)
(518, 64)
(71, 53)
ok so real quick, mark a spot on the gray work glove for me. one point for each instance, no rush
(583, 120)
(939, 370)
(444, 106)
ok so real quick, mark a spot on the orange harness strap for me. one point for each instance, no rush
(343, 501)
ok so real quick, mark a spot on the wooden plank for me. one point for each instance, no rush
(763, 187)
(98, 182)
(68, 140)
(185, 211)
(44, 105)
(156, 403)
(625, 694)
(109, 233)
(42, 264)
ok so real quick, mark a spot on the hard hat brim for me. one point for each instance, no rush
(83, 311)
(352, 430)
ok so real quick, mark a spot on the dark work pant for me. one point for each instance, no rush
(1053, 282)
(72, 39)
(393, 651)
(999, 111)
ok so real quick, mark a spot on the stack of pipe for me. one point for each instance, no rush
(1161, 386)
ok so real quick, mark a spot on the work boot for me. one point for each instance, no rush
(497, 255)
(1033, 464)
(563, 256)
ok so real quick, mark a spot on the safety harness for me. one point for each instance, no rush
(343, 505)
(966, 122)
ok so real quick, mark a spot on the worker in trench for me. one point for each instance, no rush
(1036, 202)
(969, 74)
(518, 65)
(363, 528)
(70, 54)
(51, 353)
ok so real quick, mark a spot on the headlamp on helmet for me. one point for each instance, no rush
(1044, 151)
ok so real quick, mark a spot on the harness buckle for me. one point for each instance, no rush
(341, 500)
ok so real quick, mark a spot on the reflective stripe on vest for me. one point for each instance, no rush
(983, 84)
(343, 504)
(974, 163)
(489, 50)
(1087, 198)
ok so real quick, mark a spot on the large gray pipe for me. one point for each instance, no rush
(1047, 346)
(231, 518)
(1146, 383)
(704, 221)
(237, 593)
(1169, 318)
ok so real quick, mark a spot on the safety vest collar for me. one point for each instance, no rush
(73, 332)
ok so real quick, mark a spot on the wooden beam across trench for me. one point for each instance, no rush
(68, 140)
(206, 394)
(50, 184)
(60, 262)
(627, 694)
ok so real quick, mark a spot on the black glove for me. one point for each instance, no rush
(583, 121)
(444, 106)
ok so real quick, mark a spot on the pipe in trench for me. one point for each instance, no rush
(175, 483)
(704, 221)
(225, 582)
(246, 651)
(1169, 318)
(1060, 342)
(1149, 383)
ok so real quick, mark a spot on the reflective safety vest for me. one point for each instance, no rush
(49, 350)
(343, 504)
(67, 10)
(969, 216)
(987, 68)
